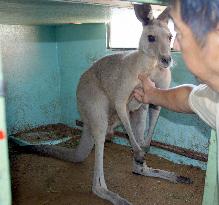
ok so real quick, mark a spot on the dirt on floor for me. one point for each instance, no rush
(38, 180)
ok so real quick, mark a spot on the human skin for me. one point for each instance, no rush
(202, 61)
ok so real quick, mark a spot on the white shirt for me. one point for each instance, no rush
(205, 103)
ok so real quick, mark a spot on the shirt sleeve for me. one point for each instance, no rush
(203, 101)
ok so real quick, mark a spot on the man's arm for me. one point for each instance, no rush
(175, 99)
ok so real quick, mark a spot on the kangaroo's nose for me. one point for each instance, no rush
(166, 60)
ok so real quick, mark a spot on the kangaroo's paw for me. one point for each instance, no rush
(139, 157)
(114, 198)
(144, 170)
(183, 180)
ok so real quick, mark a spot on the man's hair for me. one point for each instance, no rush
(202, 16)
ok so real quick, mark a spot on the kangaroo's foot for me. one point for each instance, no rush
(143, 169)
(114, 198)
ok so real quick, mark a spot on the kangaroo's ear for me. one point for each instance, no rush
(164, 16)
(143, 13)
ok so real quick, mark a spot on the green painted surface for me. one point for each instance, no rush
(32, 76)
(43, 70)
(211, 192)
(5, 193)
(51, 12)
(78, 47)
(40, 12)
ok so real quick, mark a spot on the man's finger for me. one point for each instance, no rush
(140, 92)
(138, 97)
(142, 76)
(146, 81)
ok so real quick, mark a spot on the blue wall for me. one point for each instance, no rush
(42, 66)
(31, 72)
(78, 47)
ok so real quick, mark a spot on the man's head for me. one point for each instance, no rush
(196, 23)
(202, 16)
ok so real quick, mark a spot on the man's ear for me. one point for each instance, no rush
(217, 28)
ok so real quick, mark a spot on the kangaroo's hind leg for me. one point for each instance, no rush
(99, 185)
(138, 122)
(99, 124)
(154, 112)
(95, 114)
(161, 81)
(124, 116)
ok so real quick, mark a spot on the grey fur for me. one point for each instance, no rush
(104, 97)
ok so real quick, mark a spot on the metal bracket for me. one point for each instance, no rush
(2, 88)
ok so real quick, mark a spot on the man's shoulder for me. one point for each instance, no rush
(203, 92)
(203, 100)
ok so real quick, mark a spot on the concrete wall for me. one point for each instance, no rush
(42, 66)
(31, 73)
(78, 47)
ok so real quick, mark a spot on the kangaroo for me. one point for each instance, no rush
(104, 98)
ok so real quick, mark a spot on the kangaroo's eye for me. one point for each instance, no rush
(151, 38)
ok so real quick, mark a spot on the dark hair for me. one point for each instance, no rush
(202, 16)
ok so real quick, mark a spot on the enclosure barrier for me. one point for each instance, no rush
(171, 148)
(5, 193)
(211, 196)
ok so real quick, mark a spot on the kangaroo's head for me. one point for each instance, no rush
(156, 37)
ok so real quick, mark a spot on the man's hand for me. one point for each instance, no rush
(175, 99)
(144, 94)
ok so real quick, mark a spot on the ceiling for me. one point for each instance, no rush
(44, 12)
